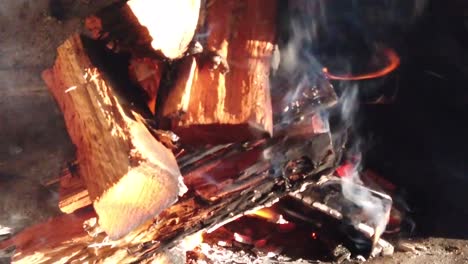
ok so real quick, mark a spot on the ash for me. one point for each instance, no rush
(208, 254)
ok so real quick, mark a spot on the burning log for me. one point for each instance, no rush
(132, 178)
(129, 175)
(256, 185)
(221, 165)
(222, 95)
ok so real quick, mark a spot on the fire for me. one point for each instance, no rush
(270, 215)
(393, 63)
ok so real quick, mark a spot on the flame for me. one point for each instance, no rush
(270, 215)
(266, 213)
(393, 63)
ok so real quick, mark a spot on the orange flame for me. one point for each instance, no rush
(393, 63)
(266, 213)
(270, 215)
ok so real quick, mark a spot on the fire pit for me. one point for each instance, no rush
(230, 131)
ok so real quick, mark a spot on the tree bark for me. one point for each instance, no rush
(129, 175)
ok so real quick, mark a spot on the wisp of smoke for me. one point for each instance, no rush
(303, 71)
(375, 209)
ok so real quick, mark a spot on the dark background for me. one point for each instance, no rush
(419, 141)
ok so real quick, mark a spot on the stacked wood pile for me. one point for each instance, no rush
(144, 72)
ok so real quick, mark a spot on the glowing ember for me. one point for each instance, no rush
(346, 169)
(242, 239)
(266, 213)
(393, 63)
(222, 243)
(313, 235)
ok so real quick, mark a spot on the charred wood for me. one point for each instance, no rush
(254, 187)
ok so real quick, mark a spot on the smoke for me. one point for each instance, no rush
(34, 144)
(349, 105)
(299, 68)
(395, 17)
(367, 206)
(316, 29)
(24, 202)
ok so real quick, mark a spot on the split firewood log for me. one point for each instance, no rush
(150, 33)
(222, 95)
(254, 187)
(130, 176)
(257, 174)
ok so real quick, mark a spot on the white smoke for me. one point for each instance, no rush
(299, 65)
(374, 208)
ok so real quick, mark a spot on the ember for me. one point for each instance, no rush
(313, 235)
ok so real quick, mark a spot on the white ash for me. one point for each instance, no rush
(221, 255)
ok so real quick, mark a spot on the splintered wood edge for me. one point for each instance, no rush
(76, 201)
(209, 106)
(145, 191)
(73, 194)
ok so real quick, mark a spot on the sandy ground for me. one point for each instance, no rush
(34, 145)
(429, 250)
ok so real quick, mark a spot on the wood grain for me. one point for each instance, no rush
(129, 175)
(209, 106)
